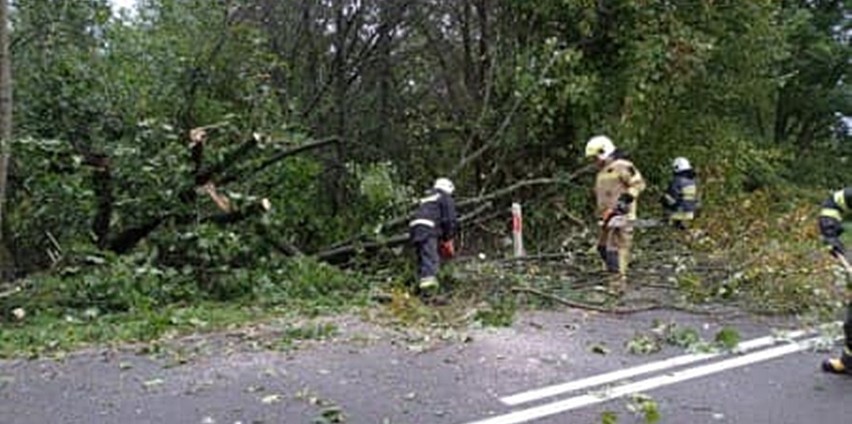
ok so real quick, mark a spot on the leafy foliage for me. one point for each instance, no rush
(781, 267)
(646, 407)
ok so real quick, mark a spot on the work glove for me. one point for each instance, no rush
(667, 202)
(835, 245)
(447, 249)
(623, 204)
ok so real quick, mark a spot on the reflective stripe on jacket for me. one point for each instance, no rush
(837, 205)
(681, 197)
(437, 210)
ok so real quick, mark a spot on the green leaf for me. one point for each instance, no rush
(609, 417)
(728, 338)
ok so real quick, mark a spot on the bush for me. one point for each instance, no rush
(304, 282)
(127, 284)
(119, 286)
(771, 241)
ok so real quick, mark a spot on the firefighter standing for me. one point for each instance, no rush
(830, 227)
(681, 198)
(432, 230)
(617, 186)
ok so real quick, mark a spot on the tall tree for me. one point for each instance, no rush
(5, 106)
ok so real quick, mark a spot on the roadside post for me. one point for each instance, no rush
(517, 230)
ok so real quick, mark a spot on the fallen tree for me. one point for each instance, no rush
(206, 180)
(395, 224)
(340, 254)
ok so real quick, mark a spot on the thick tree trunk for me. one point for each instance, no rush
(5, 107)
(5, 128)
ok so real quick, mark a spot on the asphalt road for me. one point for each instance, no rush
(377, 375)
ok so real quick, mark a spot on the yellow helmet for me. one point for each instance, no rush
(599, 146)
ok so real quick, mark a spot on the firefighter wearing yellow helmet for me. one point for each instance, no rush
(617, 187)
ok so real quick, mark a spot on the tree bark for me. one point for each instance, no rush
(102, 185)
(5, 108)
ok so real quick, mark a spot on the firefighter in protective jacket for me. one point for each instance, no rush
(681, 198)
(617, 187)
(432, 230)
(830, 227)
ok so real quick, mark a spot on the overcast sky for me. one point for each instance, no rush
(123, 3)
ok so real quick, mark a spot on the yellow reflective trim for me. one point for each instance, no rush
(682, 216)
(689, 192)
(840, 200)
(603, 176)
(831, 213)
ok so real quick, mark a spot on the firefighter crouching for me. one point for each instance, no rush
(830, 227)
(681, 198)
(432, 230)
(617, 187)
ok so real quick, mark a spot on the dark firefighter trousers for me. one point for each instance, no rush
(425, 243)
(847, 332)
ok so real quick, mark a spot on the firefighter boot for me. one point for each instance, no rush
(841, 365)
(428, 283)
(612, 261)
(602, 253)
(617, 284)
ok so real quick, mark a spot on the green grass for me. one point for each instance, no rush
(54, 335)
(124, 303)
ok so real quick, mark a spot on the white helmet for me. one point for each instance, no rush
(599, 146)
(445, 185)
(681, 164)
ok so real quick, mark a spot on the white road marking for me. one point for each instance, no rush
(576, 402)
(626, 373)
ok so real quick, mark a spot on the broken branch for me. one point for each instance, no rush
(396, 222)
(279, 157)
(339, 253)
(526, 183)
(586, 306)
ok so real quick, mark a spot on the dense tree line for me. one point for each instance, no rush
(391, 93)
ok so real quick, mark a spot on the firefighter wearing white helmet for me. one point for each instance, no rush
(617, 187)
(432, 230)
(445, 185)
(680, 200)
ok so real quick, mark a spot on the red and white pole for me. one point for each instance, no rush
(517, 230)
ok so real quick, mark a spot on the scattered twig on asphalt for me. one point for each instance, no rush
(586, 306)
